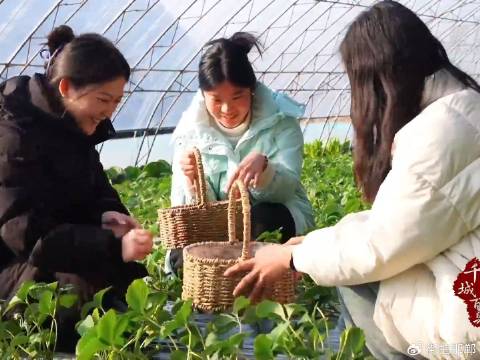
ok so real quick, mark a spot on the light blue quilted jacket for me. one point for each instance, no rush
(274, 131)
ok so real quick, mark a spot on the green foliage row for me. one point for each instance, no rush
(328, 178)
(157, 321)
(143, 190)
(149, 326)
(27, 322)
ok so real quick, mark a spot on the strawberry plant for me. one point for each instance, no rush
(158, 324)
(28, 328)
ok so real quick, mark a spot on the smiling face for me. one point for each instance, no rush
(228, 104)
(92, 104)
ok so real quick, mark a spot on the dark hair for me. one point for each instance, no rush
(388, 52)
(227, 60)
(84, 60)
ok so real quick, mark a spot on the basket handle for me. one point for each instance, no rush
(200, 183)
(238, 185)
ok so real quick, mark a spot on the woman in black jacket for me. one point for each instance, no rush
(60, 219)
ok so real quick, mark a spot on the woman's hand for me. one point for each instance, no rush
(136, 244)
(268, 266)
(119, 223)
(188, 164)
(295, 240)
(249, 170)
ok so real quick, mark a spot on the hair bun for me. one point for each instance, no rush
(245, 41)
(59, 36)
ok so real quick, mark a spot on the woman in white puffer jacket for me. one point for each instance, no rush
(417, 159)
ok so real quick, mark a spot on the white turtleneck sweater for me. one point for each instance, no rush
(233, 135)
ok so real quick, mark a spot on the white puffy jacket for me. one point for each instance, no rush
(423, 228)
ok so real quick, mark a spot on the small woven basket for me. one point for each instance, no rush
(182, 225)
(205, 263)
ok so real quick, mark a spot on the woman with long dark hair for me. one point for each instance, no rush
(244, 131)
(60, 219)
(416, 159)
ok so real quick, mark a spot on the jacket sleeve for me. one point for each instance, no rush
(284, 166)
(107, 197)
(181, 193)
(27, 226)
(425, 205)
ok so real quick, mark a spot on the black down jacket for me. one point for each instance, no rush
(53, 191)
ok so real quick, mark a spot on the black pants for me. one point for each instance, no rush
(270, 217)
(264, 217)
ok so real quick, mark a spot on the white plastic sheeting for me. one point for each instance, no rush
(162, 40)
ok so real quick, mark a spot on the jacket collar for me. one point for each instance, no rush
(40, 92)
(267, 106)
(438, 85)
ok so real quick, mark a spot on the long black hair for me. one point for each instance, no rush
(388, 52)
(227, 60)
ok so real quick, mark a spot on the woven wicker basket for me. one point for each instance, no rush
(188, 224)
(205, 263)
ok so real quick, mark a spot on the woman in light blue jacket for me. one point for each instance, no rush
(244, 131)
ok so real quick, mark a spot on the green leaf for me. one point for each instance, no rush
(240, 303)
(85, 325)
(98, 297)
(116, 175)
(12, 303)
(137, 295)
(190, 340)
(271, 236)
(178, 355)
(132, 172)
(162, 316)
(19, 339)
(236, 340)
(279, 331)
(89, 345)
(157, 169)
(37, 290)
(182, 315)
(24, 289)
(303, 353)
(122, 325)
(294, 309)
(212, 340)
(270, 309)
(158, 299)
(250, 315)
(96, 315)
(68, 300)
(36, 338)
(352, 342)
(224, 322)
(168, 328)
(46, 306)
(106, 327)
(213, 347)
(95, 303)
(263, 347)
